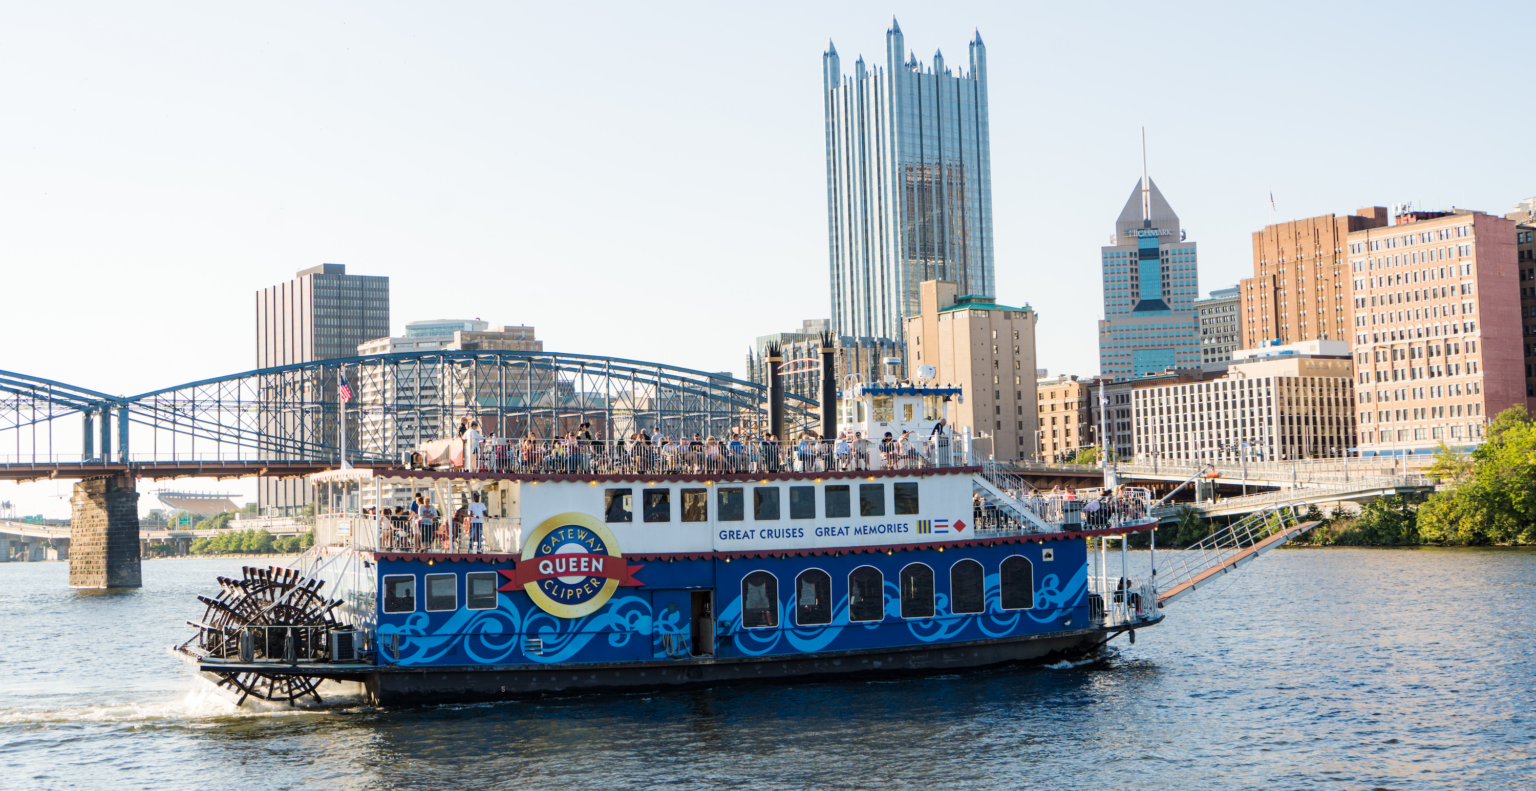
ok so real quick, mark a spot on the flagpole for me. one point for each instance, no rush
(341, 407)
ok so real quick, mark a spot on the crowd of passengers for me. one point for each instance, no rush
(586, 451)
(424, 527)
(1064, 506)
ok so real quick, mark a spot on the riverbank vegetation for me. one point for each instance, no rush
(252, 542)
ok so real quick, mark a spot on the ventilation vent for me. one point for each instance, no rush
(344, 646)
(533, 646)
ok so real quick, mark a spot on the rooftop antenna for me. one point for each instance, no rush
(1146, 192)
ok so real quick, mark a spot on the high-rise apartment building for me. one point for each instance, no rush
(1301, 284)
(1219, 335)
(909, 184)
(321, 314)
(1525, 252)
(989, 351)
(1437, 329)
(1151, 281)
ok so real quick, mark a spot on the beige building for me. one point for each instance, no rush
(988, 350)
(1276, 403)
(1439, 339)
(1300, 289)
(1064, 423)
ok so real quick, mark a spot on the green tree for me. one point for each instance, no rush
(1088, 456)
(307, 539)
(201, 546)
(1189, 526)
(1496, 503)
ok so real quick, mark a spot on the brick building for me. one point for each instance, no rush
(1301, 284)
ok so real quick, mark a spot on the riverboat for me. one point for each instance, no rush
(589, 566)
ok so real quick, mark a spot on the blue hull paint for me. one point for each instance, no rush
(653, 621)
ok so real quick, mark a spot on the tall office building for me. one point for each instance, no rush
(1151, 281)
(909, 184)
(322, 314)
(1218, 325)
(1437, 329)
(1301, 288)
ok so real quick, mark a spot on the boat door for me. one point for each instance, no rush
(671, 623)
(703, 623)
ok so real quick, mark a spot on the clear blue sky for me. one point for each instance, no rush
(648, 180)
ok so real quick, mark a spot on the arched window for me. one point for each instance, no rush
(813, 598)
(917, 591)
(1018, 584)
(967, 588)
(759, 600)
(866, 594)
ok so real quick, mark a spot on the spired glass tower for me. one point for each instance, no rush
(909, 184)
(1150, 286)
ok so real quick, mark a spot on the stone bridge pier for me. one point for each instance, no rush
(104, 533)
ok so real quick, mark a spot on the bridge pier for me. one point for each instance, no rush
(5, 548)
(104, 533)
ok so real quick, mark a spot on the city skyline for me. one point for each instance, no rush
(230, 161)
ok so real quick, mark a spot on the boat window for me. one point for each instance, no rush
(917, 591)
(860, 418)
(813, 598)
(480, 590)
(871, 499)
(967, 588)
(730, 505)
(618, 505)
(933, 407)
(759, 601)
(906, 412)
(695, 505)
(442, 592)
(837, 501)
(658, 505)
(883, 409)
(866, 594)
(1018, 584)
(400, 593)
(906, 498)
(802, 502)
(765, 503)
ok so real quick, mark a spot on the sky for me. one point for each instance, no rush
(648, 180)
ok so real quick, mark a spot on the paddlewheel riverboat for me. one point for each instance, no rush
(565, 567)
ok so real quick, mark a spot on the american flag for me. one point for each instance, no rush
(341, 387)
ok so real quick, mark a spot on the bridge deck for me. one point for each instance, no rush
(1231, 562)
(156, 470)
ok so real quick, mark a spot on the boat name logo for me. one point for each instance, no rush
(571, 565)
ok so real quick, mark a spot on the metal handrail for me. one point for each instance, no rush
(1181, 566)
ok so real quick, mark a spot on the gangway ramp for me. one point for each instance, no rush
(1227, 550)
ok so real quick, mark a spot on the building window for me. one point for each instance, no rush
(759, 601)
(618, 505)
(400, 593)
(442, 592)
(730, 504)
(866, 594)
(917, 591)
(480, 590)
(1017, 579)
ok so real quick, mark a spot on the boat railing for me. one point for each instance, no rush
(1120, 601)
(686, 456)
(1002, 506)
(414, 533)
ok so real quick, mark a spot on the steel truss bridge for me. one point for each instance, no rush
(285, 420)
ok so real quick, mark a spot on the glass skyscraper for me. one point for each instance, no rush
(1151, 282)
(909, 184)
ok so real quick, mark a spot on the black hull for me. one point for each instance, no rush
(399, 686)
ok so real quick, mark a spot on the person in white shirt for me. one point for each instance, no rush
(472, 439)
(476, 525)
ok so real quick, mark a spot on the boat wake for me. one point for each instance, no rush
(202, 702)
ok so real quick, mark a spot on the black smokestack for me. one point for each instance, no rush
(773, 359)
(828, 386)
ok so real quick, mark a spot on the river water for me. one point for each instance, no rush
(1336, 669)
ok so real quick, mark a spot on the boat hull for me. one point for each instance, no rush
(395, 686)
